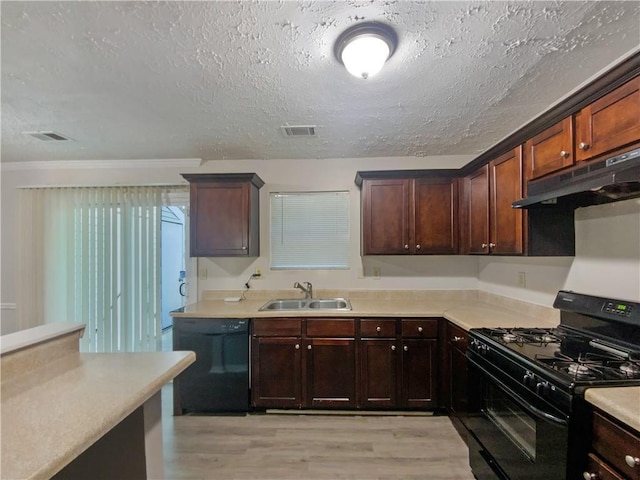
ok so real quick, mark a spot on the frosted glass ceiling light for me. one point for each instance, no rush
(364, 48)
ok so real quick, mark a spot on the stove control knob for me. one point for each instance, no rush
(542, 388)
(529, 380)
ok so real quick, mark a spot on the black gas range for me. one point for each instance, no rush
(527, 415)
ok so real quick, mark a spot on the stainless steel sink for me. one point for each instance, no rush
(333, 304)
(284, 304)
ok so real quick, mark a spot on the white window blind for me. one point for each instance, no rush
(97, 260)
(310, 230)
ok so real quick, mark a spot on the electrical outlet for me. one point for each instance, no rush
(522, 279)
(258, 274)
(377, 272)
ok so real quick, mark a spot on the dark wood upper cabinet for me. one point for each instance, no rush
(493, 226)
(477, 204)
(505, 184)
(609, 123)
(550, 150)
(225, 215)
(408, 216)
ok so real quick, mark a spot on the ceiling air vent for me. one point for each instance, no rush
(299, 130)
(48, 136)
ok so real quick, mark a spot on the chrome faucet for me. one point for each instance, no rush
(307, 289)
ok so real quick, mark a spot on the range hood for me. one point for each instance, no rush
(609, 180)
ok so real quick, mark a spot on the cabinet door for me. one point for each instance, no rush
(385, 217)
(478, 211)
(550, 150)
(331, 372)
(276, 372)
(506, 187)
(419, 373)
(220, 219)
(609, 123)
(435, 226)
(378, 367)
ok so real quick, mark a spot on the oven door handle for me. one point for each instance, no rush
(523, 403)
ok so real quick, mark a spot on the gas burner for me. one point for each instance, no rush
(547, 338)
(580, 371)
(630, 369)
(510, 337)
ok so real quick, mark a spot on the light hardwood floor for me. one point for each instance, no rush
(272, 446)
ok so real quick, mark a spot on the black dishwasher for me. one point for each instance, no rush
(218, 381)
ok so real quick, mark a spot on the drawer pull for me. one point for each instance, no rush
(632, 461)
(297, 346)
(456, 338)
(583, 146)
(418, 247)
(564, 154)
(393, 348)
(406, 247)
(378, 329)
(484, 245)
(589, 476)
(419, 329)
(405, 348)
(308, 347)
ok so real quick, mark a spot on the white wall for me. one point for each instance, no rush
(607, 258)
(232, 273)
(607, 261)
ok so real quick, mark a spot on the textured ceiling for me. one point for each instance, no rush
(216, 80)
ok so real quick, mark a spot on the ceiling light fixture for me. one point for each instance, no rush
(364, 48)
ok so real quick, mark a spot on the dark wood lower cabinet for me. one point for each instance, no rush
(419, 373)
(276, 372)
(344, 363)
(331, 373)
(378, 373)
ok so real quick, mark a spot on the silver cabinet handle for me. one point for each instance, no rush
(419, 329)
(564, 154)
(492, 245)
(484, 245)
(632, 461)
(456, 338)
(405, 348)
(589, 476)
(406, 247)
(583, 146)
(297, 346)
(393, 348)
(378, 329)
(417, 247)
(308, 347)
(244, 248)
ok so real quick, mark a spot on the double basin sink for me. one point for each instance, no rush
(280, 304)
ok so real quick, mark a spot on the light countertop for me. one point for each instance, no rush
(464, 312)
(622, 403)
(51, 415)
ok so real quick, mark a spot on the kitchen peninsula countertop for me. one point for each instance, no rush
(53, 411)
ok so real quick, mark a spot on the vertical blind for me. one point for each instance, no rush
(310, 230)
(97, 260)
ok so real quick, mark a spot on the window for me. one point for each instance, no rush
(310, 230)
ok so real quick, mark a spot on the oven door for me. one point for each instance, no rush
(514, 434)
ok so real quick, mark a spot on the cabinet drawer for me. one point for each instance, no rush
(602, 471)
(613, 443)
(324, 327)
(378, 328)
(457, 336)
(277, 327)
(420, 328)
